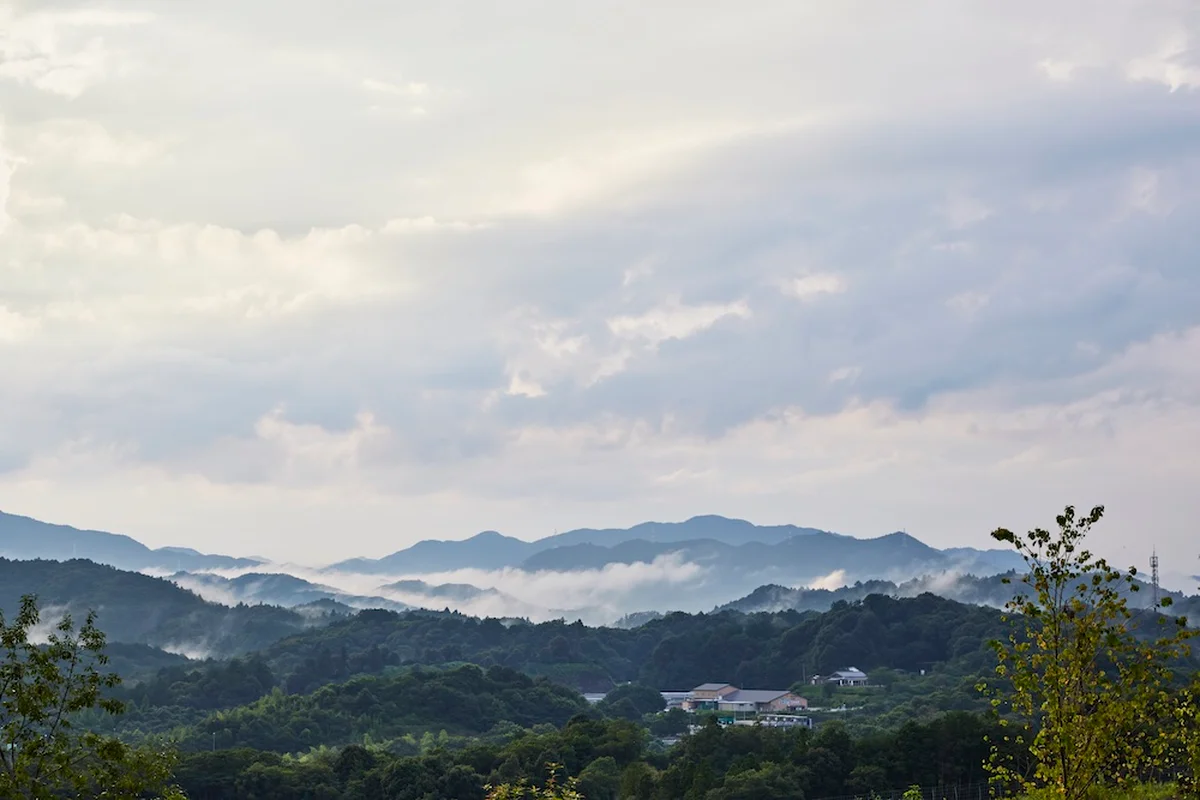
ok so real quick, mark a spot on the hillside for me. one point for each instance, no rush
(676, 651)
(989, 590)
(277, 589)
(28, 538)
(138, 609)
(463, 700)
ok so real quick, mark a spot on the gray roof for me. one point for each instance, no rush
(853, 672)
(754, 695)
(710, 687)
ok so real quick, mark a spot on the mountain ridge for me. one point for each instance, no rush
(572, 549)
(26, 538)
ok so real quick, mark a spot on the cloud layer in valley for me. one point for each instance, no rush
(280, 281)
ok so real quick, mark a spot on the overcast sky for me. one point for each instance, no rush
(313, 280)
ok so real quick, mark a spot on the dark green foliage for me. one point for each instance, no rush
(678, 651)
(631, 701)
(210, 686)
(466, 700)
(44, 753)
(139, 662)
(611, 759)
(144, 610)
(600, 779)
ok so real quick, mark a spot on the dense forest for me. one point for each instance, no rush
(678, 651)
(464, 701)
(294, 694)
(615, 758)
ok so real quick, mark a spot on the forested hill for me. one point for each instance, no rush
(387, 675)
(989, 590)
(138, 609)
(675, 652)
(465, 701)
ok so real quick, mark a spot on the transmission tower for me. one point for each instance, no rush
(1154, 576)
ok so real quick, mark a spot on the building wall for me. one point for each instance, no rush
(786, 703)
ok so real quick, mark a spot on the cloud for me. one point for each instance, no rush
(834, 580)
(812, 286)
(598, 595)
(1174, 64)
(86, 142)
(674, 321)
(408, 89)
(47, 626)
(60, 52)
(809, 265)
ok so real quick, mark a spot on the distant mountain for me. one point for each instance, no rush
(594, 556)
(711, 526)
(692, 565)
(138, 609)
(27, 538)
(492, 550)
(988, 590)
(487, 550)
(449, 591)
(986, 562)
(804, 552)
(800, 558)
(275, 589)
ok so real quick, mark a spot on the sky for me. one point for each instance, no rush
(308, 283)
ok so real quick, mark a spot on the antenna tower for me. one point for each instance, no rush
(1154, 576)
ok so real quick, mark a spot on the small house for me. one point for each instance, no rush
(851, 676)
(761, 701)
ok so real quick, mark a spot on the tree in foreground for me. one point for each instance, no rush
(552, 789)
(1086, 696)
(42, 687)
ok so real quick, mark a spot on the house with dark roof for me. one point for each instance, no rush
(761, 701)
(850, 676)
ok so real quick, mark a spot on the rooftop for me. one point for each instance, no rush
(850, 672)
(754, 696)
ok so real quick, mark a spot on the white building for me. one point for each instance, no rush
(850, 676)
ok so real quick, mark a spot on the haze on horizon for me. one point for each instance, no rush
(280, 281)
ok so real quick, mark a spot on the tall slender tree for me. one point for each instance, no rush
(1084, 685)
(42, 687)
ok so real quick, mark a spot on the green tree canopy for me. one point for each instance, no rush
(1087, 684)
(42, 686)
